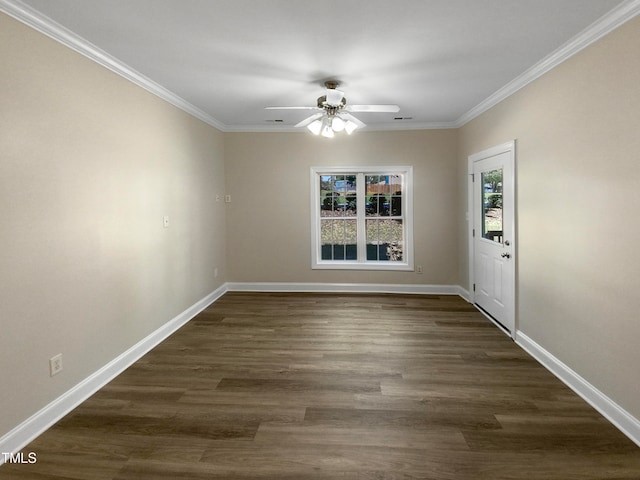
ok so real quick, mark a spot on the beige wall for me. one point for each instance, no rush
(578, 191)
(268, 220)
(89, 164)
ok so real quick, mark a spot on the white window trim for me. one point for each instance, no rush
(362, 263)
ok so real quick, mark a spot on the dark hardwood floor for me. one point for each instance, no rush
(326, 387)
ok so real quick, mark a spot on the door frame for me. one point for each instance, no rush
(510, 149)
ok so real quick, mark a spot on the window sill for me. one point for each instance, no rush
(380, 266)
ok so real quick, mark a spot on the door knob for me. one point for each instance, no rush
(506, 255)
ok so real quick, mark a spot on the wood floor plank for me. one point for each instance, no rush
(337, 459)
(266, 386)
(436, 438)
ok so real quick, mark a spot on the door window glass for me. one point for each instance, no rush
(492, 205)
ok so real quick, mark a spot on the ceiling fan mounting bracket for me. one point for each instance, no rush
(331, 84)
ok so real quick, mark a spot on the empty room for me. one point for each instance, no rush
(319, 240)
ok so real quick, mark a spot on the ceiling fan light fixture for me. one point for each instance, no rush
(327, 131)
(315, 127)
(333, 115)
(337, 124)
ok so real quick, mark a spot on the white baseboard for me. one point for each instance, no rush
(31, 428)
(27, 431)
(625, 422)
(345, 288)
(38, 423)
(464, 293)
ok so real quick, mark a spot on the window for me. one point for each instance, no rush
(362, 218)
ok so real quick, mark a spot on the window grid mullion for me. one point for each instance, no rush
(361, 203)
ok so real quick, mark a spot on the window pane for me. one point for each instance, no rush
(351, 204)
(327, 205)
(373, 233)
(326, 196)
(384, 240)
(350, 197)
(396, 206)
(395, 182)
(384, 195)
(395, 249)
(338, 196)
(338, 239)
(377, 205)
(375, 195)
(492, 205)
(395, 200)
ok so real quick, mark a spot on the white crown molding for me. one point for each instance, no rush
(609, 22)
(620, 418)
(54, 30)
(400, 125)
(264, 129)
(38, 423)
(606, 24)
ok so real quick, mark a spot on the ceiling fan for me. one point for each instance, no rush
(333, 114)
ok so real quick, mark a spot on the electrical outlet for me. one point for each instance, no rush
(227, 198)
(165, 221)
(55, 365)
(419, 269)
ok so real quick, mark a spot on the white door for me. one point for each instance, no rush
(492, 235)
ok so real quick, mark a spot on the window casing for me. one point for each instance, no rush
(362, 218)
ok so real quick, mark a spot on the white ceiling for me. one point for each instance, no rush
(437, 59)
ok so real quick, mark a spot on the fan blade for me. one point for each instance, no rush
(372, 108)
(348, 116)
(292, 108)
(309, 120)
(334, 97)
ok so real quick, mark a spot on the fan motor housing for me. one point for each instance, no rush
(322, 103)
